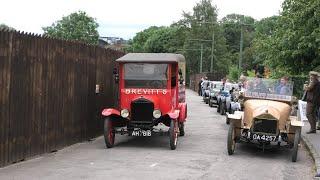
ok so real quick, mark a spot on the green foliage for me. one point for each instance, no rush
(251, 73)
(290, 42)
(158, 40)
(234, 73)
(201, 24)
(232, 25)
(138, 42)
(298, 81)
(76, 26)
(165, 40)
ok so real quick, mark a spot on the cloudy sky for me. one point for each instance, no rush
(121, 18)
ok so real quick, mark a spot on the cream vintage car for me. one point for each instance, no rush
(266, 119)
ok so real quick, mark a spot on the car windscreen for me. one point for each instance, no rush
(145, 75)
(218, 86)
(273, 89)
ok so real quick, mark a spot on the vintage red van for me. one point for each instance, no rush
(151, 92)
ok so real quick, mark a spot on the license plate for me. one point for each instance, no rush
(263, 137)
(141, 133)
(214, 101)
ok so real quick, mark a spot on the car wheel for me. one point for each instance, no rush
(297, 136)
(210, 103)
(181, 129)
(231, 142)
(109, 134)
(173, 133)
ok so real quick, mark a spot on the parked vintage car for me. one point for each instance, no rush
(151, 87)
(266, 119)
(225, 97)
(214, 90)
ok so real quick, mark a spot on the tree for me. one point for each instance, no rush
(290, 44)
(265, 42)
(76, 26)
(137, 44)
(5, 27)
(232, 31)
(298, 35)
(201, 24)
(165, 40)
(158, 40)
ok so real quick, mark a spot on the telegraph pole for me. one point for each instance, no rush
(212, 51)
(201, 58)
(241, 47)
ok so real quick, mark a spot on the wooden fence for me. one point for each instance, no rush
(47, 93)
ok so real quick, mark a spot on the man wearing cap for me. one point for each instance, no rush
(313, 100)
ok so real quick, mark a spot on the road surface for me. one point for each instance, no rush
(201, 154)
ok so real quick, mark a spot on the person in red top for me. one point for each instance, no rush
(313, 100)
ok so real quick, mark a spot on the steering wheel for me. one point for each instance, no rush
(155, 84)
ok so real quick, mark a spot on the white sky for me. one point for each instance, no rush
(121, 18)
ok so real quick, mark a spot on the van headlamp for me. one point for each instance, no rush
(124, 113)
(156, 113)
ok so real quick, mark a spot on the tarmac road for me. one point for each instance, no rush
(201, 154)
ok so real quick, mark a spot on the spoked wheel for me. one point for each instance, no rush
(231, 142)
(108, 133)
(181, 128)
(297, 136)
(173, 133)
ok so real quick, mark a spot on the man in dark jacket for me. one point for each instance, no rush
(199, 86)
(313, 100)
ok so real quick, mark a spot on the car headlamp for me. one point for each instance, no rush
(156, 113)
(124, 113)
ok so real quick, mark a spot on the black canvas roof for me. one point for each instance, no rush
(151, 57)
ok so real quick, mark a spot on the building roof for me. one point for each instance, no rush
(152, 57)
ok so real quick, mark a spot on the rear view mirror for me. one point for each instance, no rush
(116, 75)
(115, 71)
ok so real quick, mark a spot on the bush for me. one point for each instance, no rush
(234, 73)
(298, 85)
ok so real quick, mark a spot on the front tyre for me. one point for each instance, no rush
(227, 120)
(181, 129)
(231, 142)
(218, 108)
(108, 133)
(173, 134)
(297, 137)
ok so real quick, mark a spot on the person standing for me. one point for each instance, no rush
(199, 86)
(313, 100)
